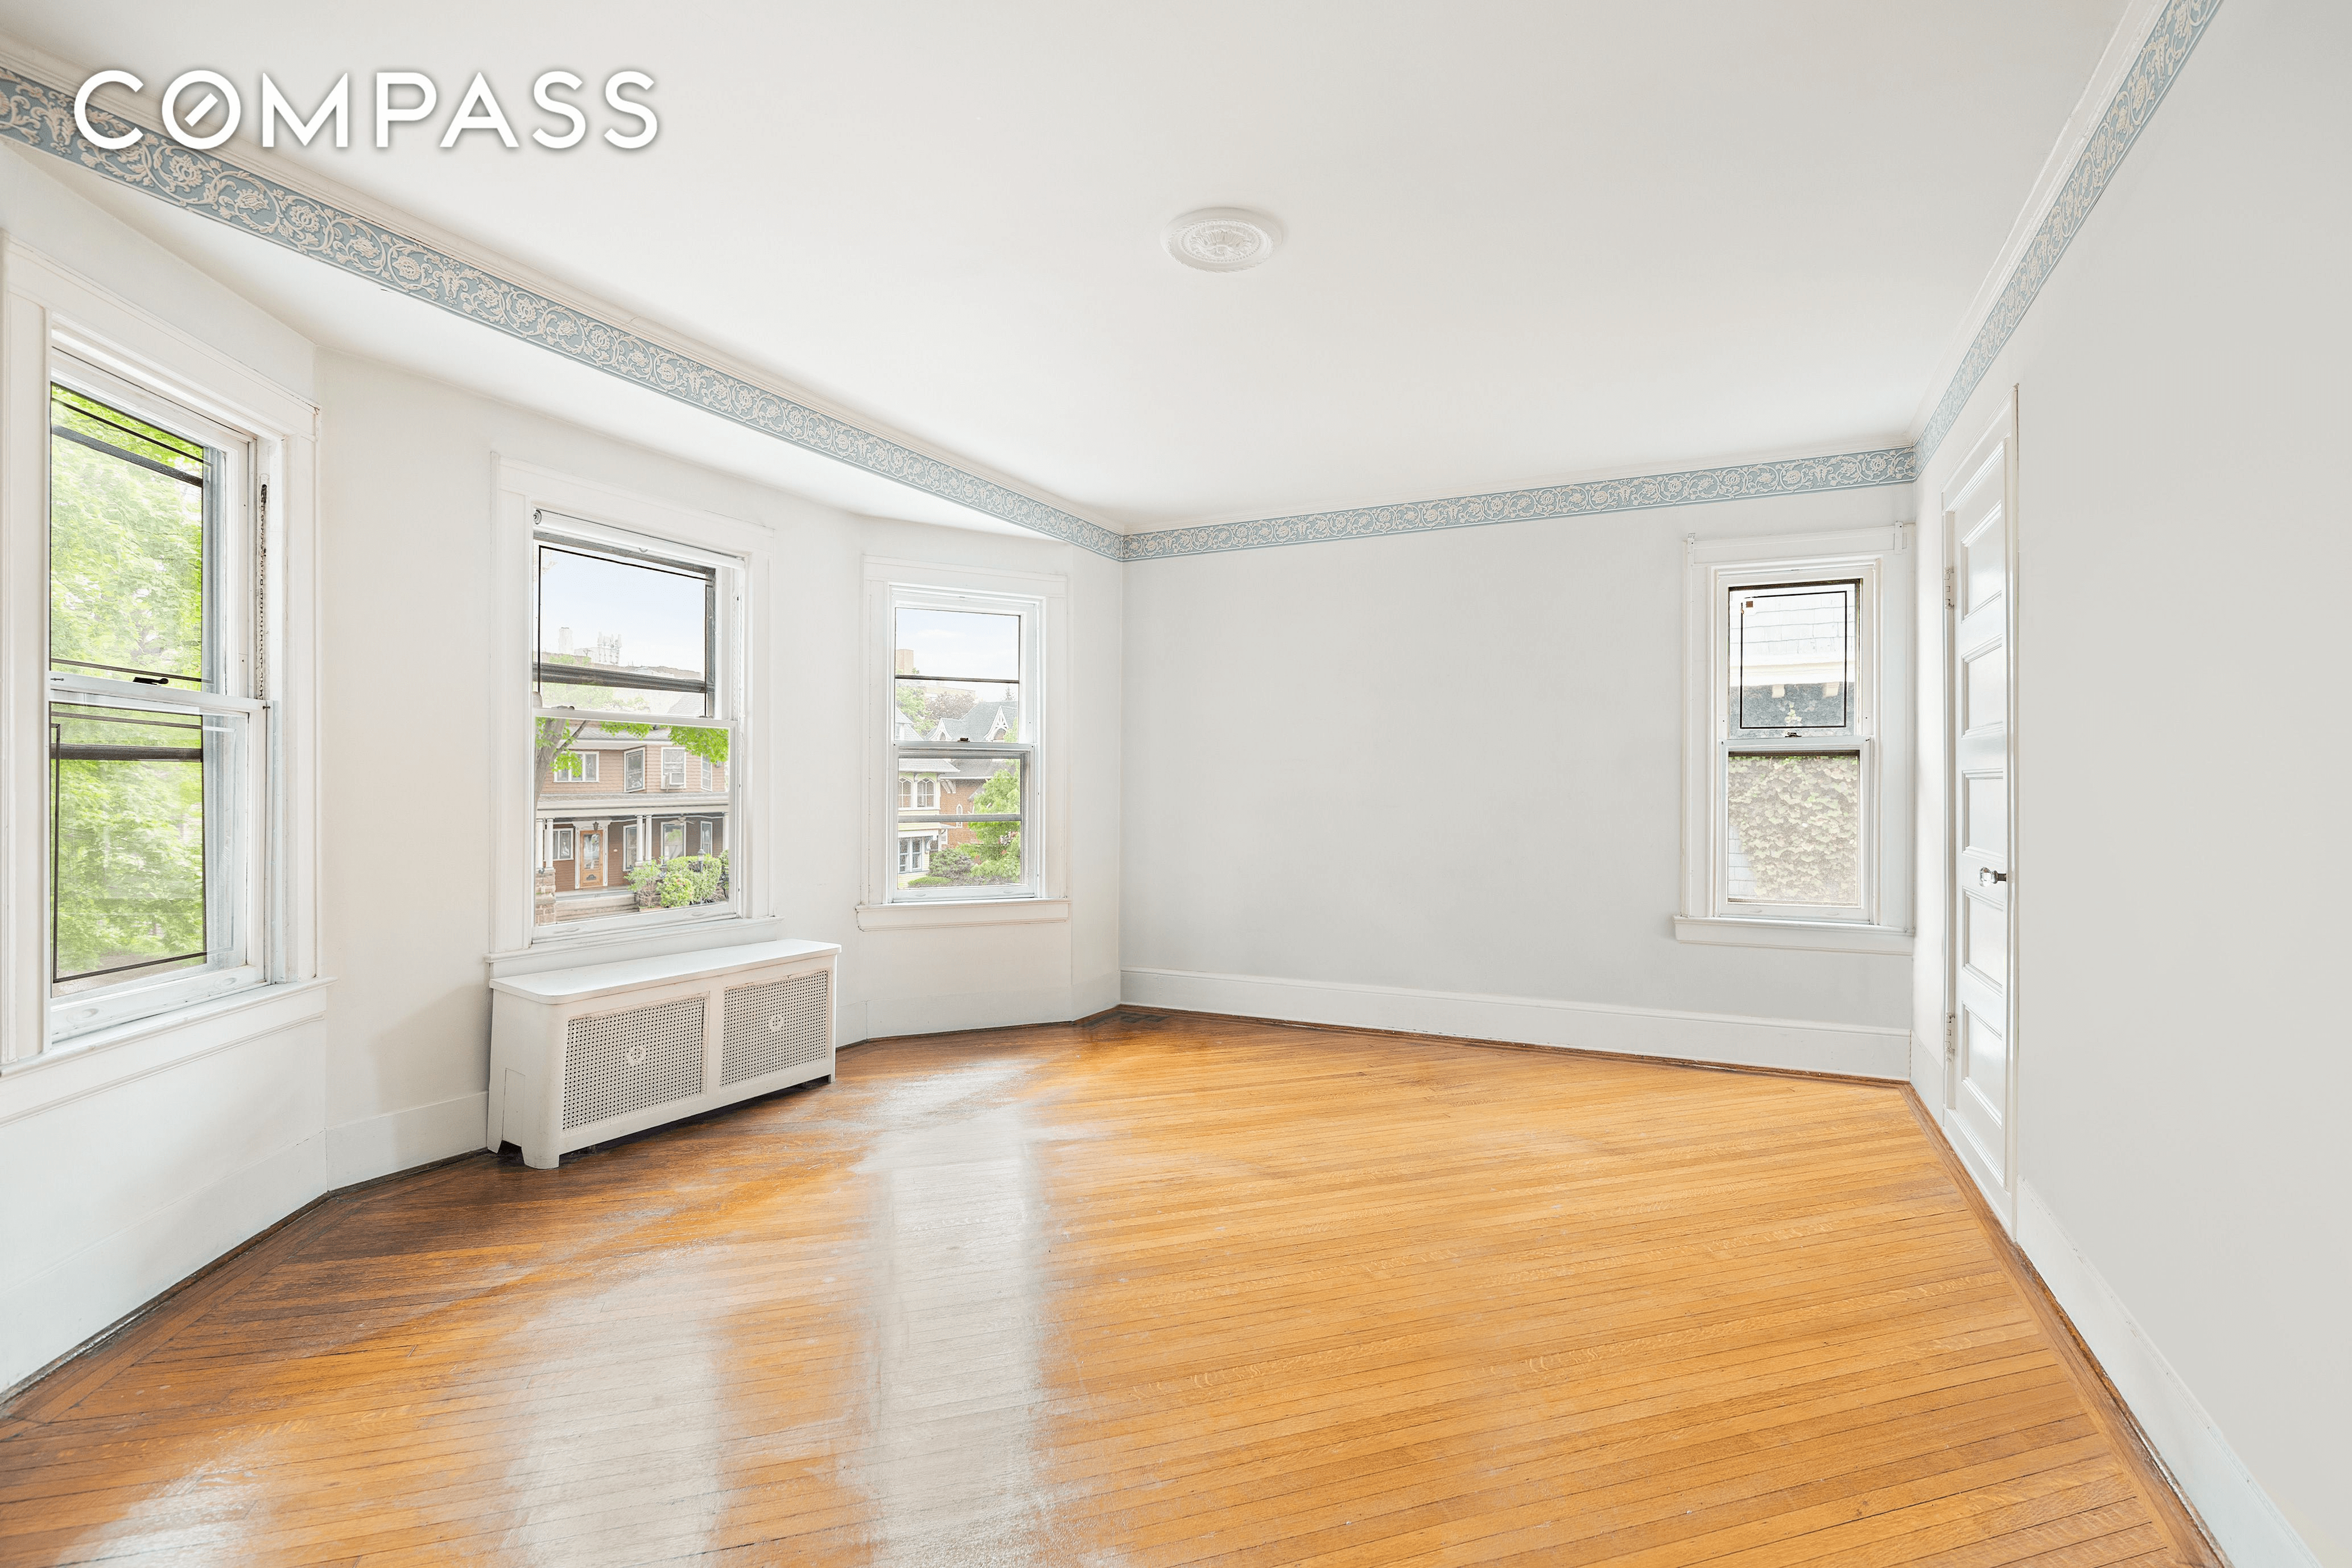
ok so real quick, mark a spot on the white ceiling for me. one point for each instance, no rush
(1525, 241)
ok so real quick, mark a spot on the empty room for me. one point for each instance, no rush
(1175, 785)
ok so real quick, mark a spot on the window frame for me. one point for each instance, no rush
(530, 500)
(1879, 562)
(1041, 601)
(560, 531)
(261, 675)
(1029, 753)
(234, 888)
(591, 768)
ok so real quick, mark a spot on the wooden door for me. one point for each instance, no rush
(592, 857)
(1981, 1083)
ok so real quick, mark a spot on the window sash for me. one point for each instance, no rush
(1865, 826)
(236, 813)
(968, 751)
(544, 674)
(1737, 657)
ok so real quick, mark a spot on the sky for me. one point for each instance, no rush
(962, 643)
(658, 613)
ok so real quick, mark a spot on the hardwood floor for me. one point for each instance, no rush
(1148, 1292)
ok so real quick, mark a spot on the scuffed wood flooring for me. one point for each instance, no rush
(1148, 1292)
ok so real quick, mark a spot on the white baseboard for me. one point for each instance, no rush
(1726, 1039)
(397, 1139)
(46, 1315)
(2239, 1515)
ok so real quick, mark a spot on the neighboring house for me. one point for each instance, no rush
(610, 802)
(946, 785)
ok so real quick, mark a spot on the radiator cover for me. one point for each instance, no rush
(583, 1055)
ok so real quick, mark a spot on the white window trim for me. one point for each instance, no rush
(46, 308)
(1884, 684)
(591, 510)
(591, 768)
(1045, 719)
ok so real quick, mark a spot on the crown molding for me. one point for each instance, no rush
(2057, 209)
(303, 213)
(2123, 44)
(1695, 486)
(294, 209)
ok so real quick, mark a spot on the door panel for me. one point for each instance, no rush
(592, 857)
(1981, 1081)
(1984, 813)
(1984, 566)
(1984, 688)
(1984, 941)
(1984, 1068)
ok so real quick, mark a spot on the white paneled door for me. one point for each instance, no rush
(1980, 508)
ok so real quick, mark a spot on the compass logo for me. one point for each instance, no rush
(202, 109)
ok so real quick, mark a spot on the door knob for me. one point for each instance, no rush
(1987, 877)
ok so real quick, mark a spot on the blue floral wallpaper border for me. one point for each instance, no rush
(1744, 481)
(2175, 34)
(41, 117)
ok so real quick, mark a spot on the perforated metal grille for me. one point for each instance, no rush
(622, 1062)
(787, 1022)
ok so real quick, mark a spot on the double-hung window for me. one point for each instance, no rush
(1790, 642)
(158, 722)
(631, 643)
(966, 723)
(1793, 744)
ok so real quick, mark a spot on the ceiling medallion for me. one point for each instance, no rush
(1222, 239)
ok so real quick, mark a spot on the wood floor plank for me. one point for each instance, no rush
(1164, 1290)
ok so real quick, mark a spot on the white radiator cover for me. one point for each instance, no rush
(580, 1056)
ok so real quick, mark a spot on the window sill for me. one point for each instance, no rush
(106, 1059)
(961, 912)
(1802, 936)
(613, 944)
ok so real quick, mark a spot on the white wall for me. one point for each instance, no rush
(2184, 538)
(1437, 779)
